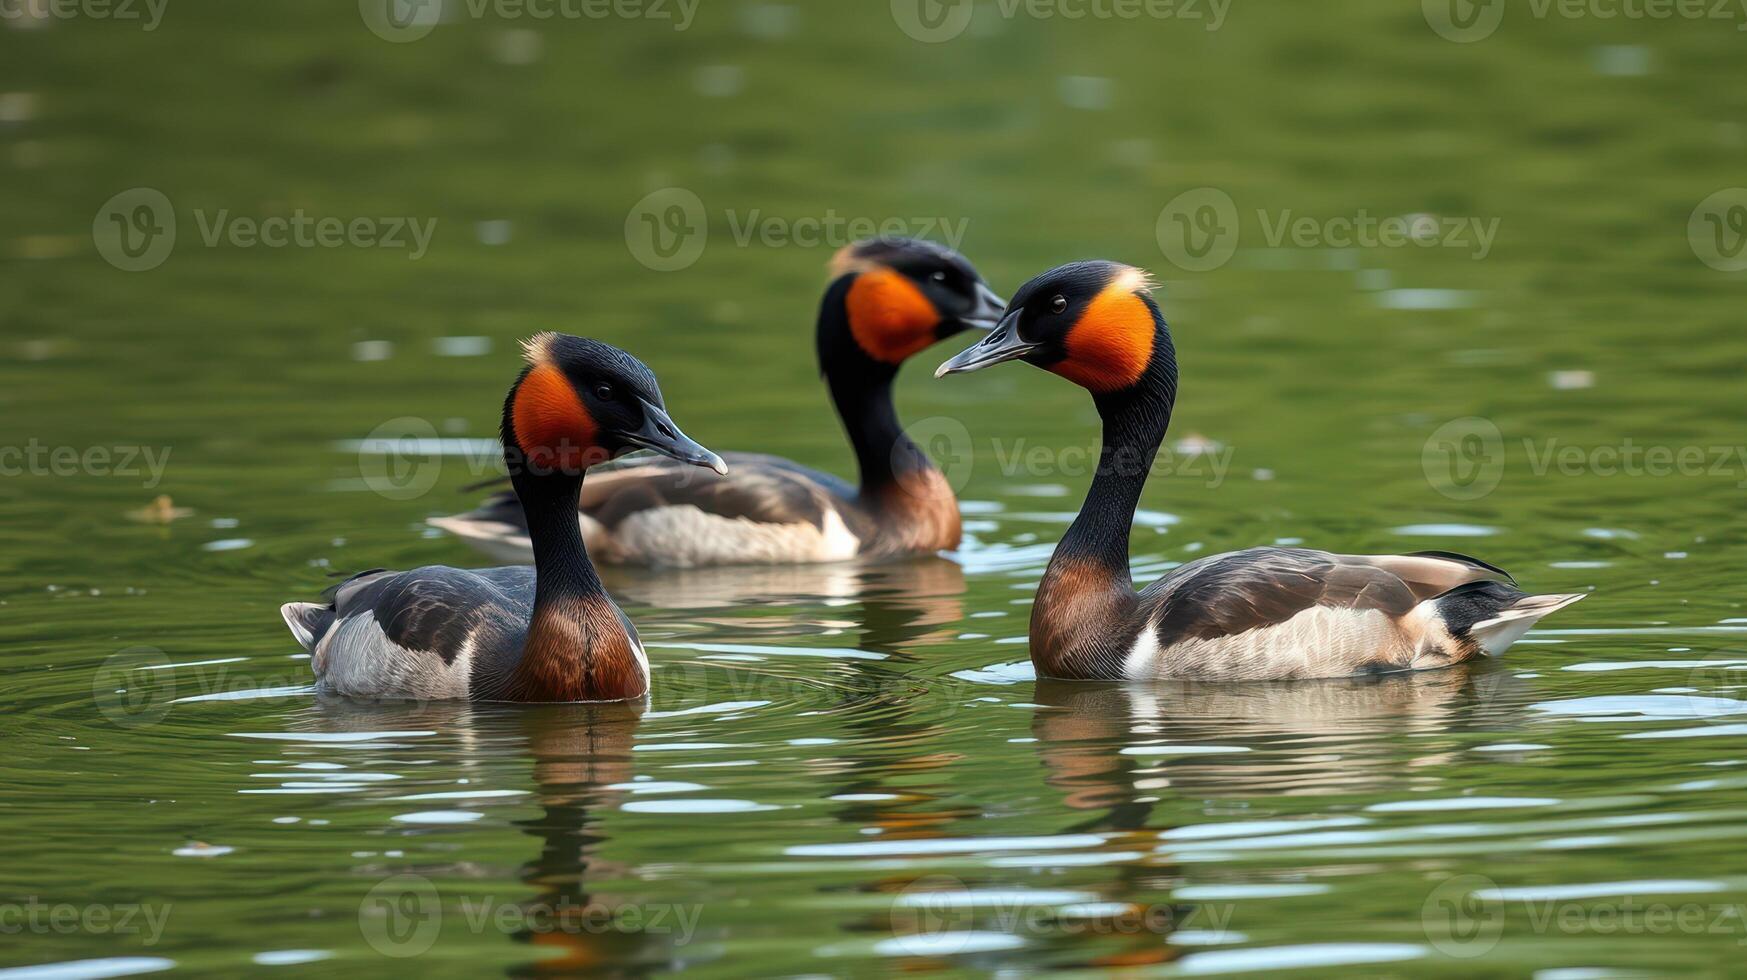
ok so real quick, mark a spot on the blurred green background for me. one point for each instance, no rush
(1604, 153)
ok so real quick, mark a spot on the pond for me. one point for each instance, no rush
(1433, 286)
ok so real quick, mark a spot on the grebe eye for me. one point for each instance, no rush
(938, 277)
(604, 392)
(1058, 304)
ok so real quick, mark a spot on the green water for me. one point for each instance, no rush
(851, 771)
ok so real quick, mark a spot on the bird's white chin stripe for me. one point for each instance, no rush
(1496, 635)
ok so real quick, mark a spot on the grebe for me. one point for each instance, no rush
(888, 300)
(1263, 613)
(546, 633)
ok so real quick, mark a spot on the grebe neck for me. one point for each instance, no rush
(861, 391)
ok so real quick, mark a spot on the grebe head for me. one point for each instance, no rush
(903, 295)
(1093, 323)
(580, 402)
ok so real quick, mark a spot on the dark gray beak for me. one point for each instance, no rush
(659, 434)
(988, 310)
(998, 345)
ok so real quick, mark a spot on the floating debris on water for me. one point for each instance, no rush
(462, 346)
(1091, 92)
(1428, 299)
(519, 46)
(769, 21)
(162, 510)
(1573, 380)
(201, 849)
(1620, 60)
(494, 232)
(17, 107)
(719, 81)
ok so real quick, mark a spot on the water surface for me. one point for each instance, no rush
(852, 770)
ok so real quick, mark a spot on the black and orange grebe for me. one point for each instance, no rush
(1264, 613)
(888, 300)
(545, 633)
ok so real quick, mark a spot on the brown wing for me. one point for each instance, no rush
(1224, 595)
(1433, 573)
(759, 488)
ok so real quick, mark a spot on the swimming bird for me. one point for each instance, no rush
(888, 299)
(1262, 613)
(546, 633)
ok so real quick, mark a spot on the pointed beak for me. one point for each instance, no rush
(659, 434)
(998, 345)
(988, 310)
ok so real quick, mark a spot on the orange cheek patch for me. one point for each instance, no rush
(551, 424)
(889, 316)
(1110, 346)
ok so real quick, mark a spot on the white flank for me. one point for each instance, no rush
(1318, 642)
(1142, 662)
(683, 536)
(356, 658)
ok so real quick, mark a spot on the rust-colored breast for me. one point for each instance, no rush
(1081, 613)
(917, 515)
(579, 650)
